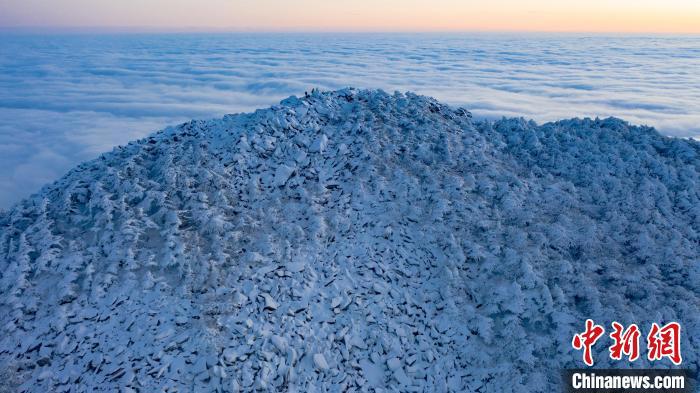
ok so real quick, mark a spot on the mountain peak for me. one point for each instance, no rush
(352, 239)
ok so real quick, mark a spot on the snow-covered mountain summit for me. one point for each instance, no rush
(349, 241)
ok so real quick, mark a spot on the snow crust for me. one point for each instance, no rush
(349, 241)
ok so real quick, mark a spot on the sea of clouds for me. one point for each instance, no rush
(66, 98)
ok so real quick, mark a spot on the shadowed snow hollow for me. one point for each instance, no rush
(349, 241)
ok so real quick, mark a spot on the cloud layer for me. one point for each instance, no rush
(65, 99)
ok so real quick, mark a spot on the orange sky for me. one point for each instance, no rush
(666, 16)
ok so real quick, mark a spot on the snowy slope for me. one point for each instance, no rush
(349, 241)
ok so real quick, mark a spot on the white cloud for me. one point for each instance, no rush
(65, 99)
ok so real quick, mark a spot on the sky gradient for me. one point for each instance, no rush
(645, 16)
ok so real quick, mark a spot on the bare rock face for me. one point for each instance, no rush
(349, 241)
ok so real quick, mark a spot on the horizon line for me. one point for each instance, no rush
(230, 30)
